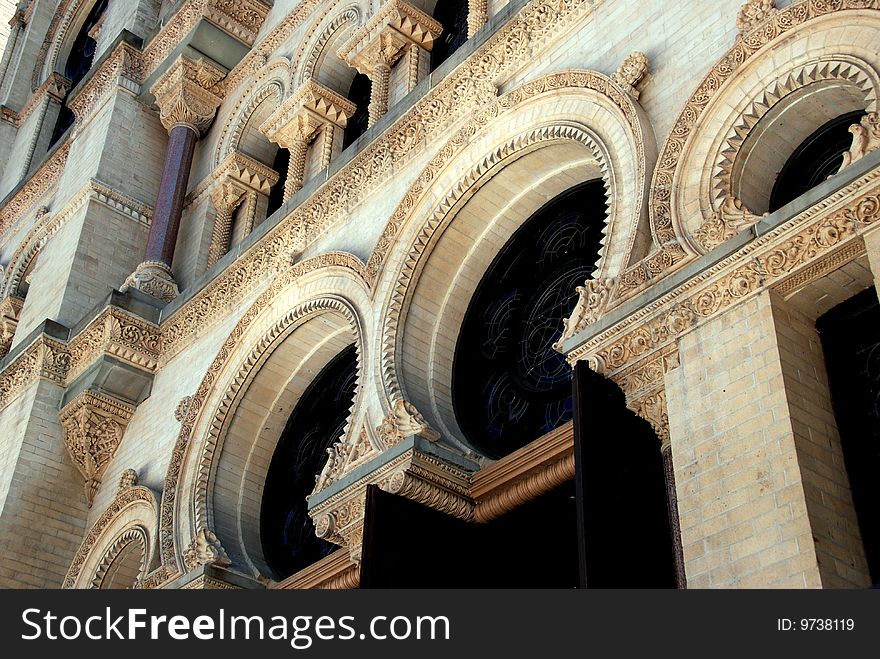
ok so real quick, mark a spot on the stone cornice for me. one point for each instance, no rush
(113, 332)
(35, 187)
(799, 249)
(394, 26)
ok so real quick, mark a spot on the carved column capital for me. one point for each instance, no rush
(188, 94)
(382, 40)
(10, 308)
(305, 112)
(246, 172)
(153, 278)
(93, 425)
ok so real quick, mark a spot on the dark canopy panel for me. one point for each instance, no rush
(820, 156)
(453, 16)
(509, 385)
(359, 94)
(850, 335)
(79, 61)
(317, 421)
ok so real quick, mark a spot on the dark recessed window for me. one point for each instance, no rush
(317, 421)
(79, 62)
(276, 194)
(359, 94)
(509, 385)
(453, 16)
(817, 158)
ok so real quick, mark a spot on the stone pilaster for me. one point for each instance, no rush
(188, 95)
(240, 179)
(311, 110)
(386, 37)
(93, 425)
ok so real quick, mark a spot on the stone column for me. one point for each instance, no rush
(240, 179)
(478, 14)
(386, 37)
(187, 96)
(311, 110)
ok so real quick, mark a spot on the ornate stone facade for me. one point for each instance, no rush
(692, 308)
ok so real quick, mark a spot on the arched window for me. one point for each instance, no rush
(79, 61)
(276, 195)
(317, 421)
(509, 385)
(453, 16)
(817, 158)
(359, 94)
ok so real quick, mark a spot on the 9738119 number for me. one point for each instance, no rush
(816, 624)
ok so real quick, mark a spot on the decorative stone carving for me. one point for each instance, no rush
(478, 14)
(414, 475)
(182, 408)
(631, 73)
(205, 549)
(593, 298)
(754, 12)
(128, 479)
(375, 48)
(311, 109)
(238, 176)
(404, 420)
(241, 19)
(153, 278)
(866, 138)
(93, 425)
(342, 459)
(10, 308)
(732, 217)
(186, 94)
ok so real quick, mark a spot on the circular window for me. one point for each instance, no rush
(317, 421)
(509, 385)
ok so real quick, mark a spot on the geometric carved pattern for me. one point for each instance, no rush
(93, 425)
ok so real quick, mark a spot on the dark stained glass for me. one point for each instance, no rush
(317, 421)
(509, 385)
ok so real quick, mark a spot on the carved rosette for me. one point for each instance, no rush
(866, 138)
(10, 308)
(93, 426)
(188, 95)
(416, 476)
(631, 73)
(593, 299)
(153, 278)
(404, 420)
(753, 13)
(205, 549)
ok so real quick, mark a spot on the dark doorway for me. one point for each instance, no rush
(850, 334)
(621, 491)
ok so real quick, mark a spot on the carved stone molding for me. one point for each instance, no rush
(153, 278)
(732, 217)
(753, 13)
(631, 73)
(593, 299)
(34, 188)
(187, 94)
(10, 308)
(311, 97)
(45, 358)
(866, 138)
(344, 457)
(241, 19)
(333, 572)
(123, 67)
(404, 420)
(55, 88)
(205, 549)
(414, 475)
(93, 425)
